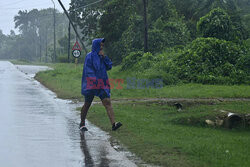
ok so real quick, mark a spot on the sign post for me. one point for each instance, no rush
(76, 51)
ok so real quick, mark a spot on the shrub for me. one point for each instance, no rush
(146, 61)
(129, 61)
(167, 78)
(243, 62)
(216, 23)
(160, 66)
(139, 61)
(166, 34)
(210, 60)
(132, 38)
(62, 59)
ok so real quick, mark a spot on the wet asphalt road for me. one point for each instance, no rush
(37, 129)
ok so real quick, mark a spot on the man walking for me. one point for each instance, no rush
(94, 76)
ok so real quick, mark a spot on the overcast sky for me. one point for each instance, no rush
(10, 8)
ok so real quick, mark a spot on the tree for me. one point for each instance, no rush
(211, 60)
(114, 22)
(145, 16)
(216, 24)
(193, 10)
(63, 43)
(36, 28)
(2, 39)
(86, 17)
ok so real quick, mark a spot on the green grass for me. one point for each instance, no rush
(153, 132)
(65, 80)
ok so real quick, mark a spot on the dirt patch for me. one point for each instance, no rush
(182, 100)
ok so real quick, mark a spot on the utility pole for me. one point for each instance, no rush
(19, 48)
(69, 43)
(145, 27)
(54, 13)
(46, 45)
(40, 44)
(77, 34)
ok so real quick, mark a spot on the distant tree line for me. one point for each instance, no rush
(35, 40)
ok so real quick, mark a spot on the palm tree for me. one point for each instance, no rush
(22, 21)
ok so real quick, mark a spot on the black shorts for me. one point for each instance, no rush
(102, 95)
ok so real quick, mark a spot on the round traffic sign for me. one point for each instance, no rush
(76, 53)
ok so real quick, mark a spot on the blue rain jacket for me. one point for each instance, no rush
(95, 66)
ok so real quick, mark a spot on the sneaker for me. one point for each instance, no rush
(83, 128)
(116, 126)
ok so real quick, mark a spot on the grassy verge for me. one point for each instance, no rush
(65, 80)
(19, 62)
(156, 134)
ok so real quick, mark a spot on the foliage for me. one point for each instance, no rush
(115, 21)
(193, 10)
(86, 18)
(216, 23)
(132, 59)
(243, 62)
(213, 61)
(161, 8)
(63, 43)
(158, 66)
(167, 34)
(132, 38)
(140, 61)
(63, 59)
(121, 23)
(147, 61)
(162, 67)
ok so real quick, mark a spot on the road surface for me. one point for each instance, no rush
(38, 130)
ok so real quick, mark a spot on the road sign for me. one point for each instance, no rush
(76, 46)
(76, 53)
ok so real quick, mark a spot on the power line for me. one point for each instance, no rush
(84, 6)
(13, 3)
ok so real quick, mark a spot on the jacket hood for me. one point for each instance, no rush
(96, 44)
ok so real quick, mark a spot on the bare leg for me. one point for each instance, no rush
(107, 104)
(84, 112)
